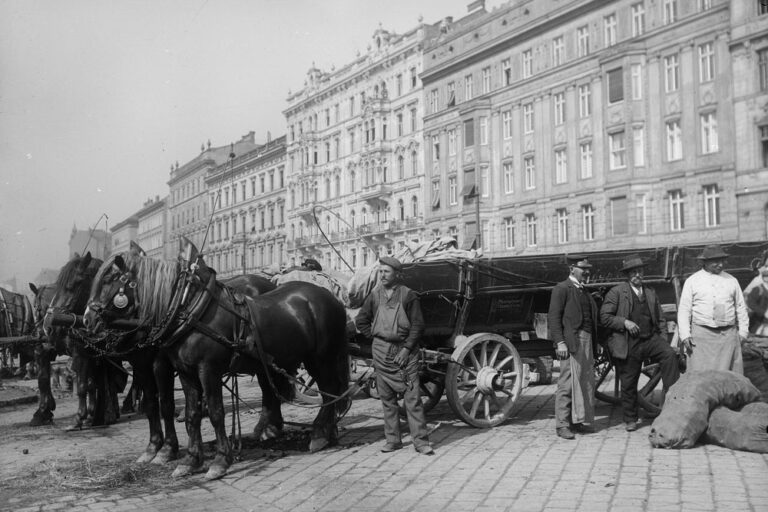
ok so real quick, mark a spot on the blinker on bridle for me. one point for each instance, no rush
(120, 300)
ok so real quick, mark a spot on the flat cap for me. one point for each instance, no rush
(578, 261)
(391, 262)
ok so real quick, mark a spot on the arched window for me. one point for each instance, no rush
(414, 207)
(337, 183)
(327, 224)
(384, 178)
(352, 181)
(400, 210)
(327, 188)
(414, 163)
(364, 217)
(400, 167)
(352, 218)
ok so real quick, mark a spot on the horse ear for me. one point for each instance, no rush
(189, 252)
(120, 263)
(33, 288)
(136, 249)
(86, 260)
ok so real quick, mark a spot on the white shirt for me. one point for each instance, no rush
(711, 300)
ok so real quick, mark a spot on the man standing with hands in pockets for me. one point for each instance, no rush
(572, 322)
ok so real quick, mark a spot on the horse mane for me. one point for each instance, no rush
(156, 279)
(67, 272)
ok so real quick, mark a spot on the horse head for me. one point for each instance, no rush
(114, 293)
(43, 296)
(70, 292)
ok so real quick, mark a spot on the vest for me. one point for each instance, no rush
(586, 310)
(641, 315)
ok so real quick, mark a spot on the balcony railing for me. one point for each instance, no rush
(376, 191)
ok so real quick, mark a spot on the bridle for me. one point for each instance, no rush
(118, 301)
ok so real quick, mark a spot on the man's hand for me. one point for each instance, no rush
(562, 350)
(401, 358)
(688, 345)
(631, 327)
(742, 339)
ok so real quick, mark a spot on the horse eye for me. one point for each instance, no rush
(132, 284)
(123, 278)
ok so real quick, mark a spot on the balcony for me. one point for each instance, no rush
(406, 224)
(304, 209)
(376, 192)
(307, 242)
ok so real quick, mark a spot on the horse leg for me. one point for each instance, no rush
(46, 403)
(332, 378)
(164, 379)
(82, 368)
(193, 414)
(143, 373)
(270, 424)
(213, 392)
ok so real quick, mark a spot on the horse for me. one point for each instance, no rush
(213, 331)
(98, 380)
(17, 319)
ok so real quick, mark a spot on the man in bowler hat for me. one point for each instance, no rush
(632, 312)
(572, 320)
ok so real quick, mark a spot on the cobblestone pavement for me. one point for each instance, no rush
(519, 466)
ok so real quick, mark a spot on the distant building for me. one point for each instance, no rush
(247, 198)
(46, 276)
(96, 241)
(123, 233)
(151, 232)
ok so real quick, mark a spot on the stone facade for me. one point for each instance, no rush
(152, 228)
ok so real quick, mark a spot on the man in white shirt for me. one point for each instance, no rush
(712, 316)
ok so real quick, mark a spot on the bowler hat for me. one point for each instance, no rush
(578, 261)
(312, 264)
(392, 262)
(633, 261)
(712, 252)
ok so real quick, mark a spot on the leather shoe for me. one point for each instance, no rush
(581, 428)
(565, 433)
(630, 426)
(425, 450)
(390, 447)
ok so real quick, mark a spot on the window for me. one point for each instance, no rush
(485, 183)
(530, 173)
(400, 167)
(671, 73)
(399, 124)
(709, 133)
(509, 233)
(559, 101)
(414, 163)
(706, 62)
(562, 226)
(762, 67)
(486, 80)
(399, 85)
(711, 206)
(676, 210)
(670, 11)
(469, 133)
(527, 63)
(582, 41)
(483, 131)
(585, 101)
(616, 150)
(451, 142)
(615, 85)
(506, 71)
(638, 19)
(509, 177)
(637, 81)
(433, 100)
(453, 191)
(619, 222)
(706, 4)
(528, 118)
(609, 29)
(585, 167)
(674, 141)
(638, 146)
(588, 221)
(467, 87)
(642, 214)
(764, 144)
(436, 194)
(561, 166)
(558, 51)
(413, 120)
(414, 78)
(762, 7)
(435, 148)
(451, 94)
(530, 230)
(351, 108)
(506, 124)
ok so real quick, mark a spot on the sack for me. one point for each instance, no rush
(689, 401)
(740, 430)
(754, 369)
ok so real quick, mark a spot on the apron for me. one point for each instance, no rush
(389, 329)
(583, 381)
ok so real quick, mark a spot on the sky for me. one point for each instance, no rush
(98, 98)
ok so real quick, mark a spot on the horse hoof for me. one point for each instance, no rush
(182, 470)
(215, 472)
(317, 444)
(269, 432)
(162, 458)
(145, 457)
(73, 428)
(38, 421)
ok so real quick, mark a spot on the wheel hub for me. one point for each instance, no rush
(488, 379)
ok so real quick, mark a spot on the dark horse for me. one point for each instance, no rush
(213, 331)
(98, 380)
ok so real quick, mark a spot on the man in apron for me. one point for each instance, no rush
(572, 322)
(391, 315)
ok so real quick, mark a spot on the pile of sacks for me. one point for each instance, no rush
(718, 407)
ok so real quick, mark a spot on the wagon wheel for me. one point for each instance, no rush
(608, 388)
(485, 380)
(432, 387)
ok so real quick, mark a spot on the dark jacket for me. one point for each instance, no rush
(617, 307)
(410, 304)
(565, 316)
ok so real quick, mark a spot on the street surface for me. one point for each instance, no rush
(519, 466)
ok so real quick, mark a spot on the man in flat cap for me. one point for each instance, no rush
(572, 322)
(712, 316)
(391, 315)
(632, 312)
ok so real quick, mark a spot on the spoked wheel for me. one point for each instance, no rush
(608, 387)
(485, 380)
(432, 387)
(306, 388)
